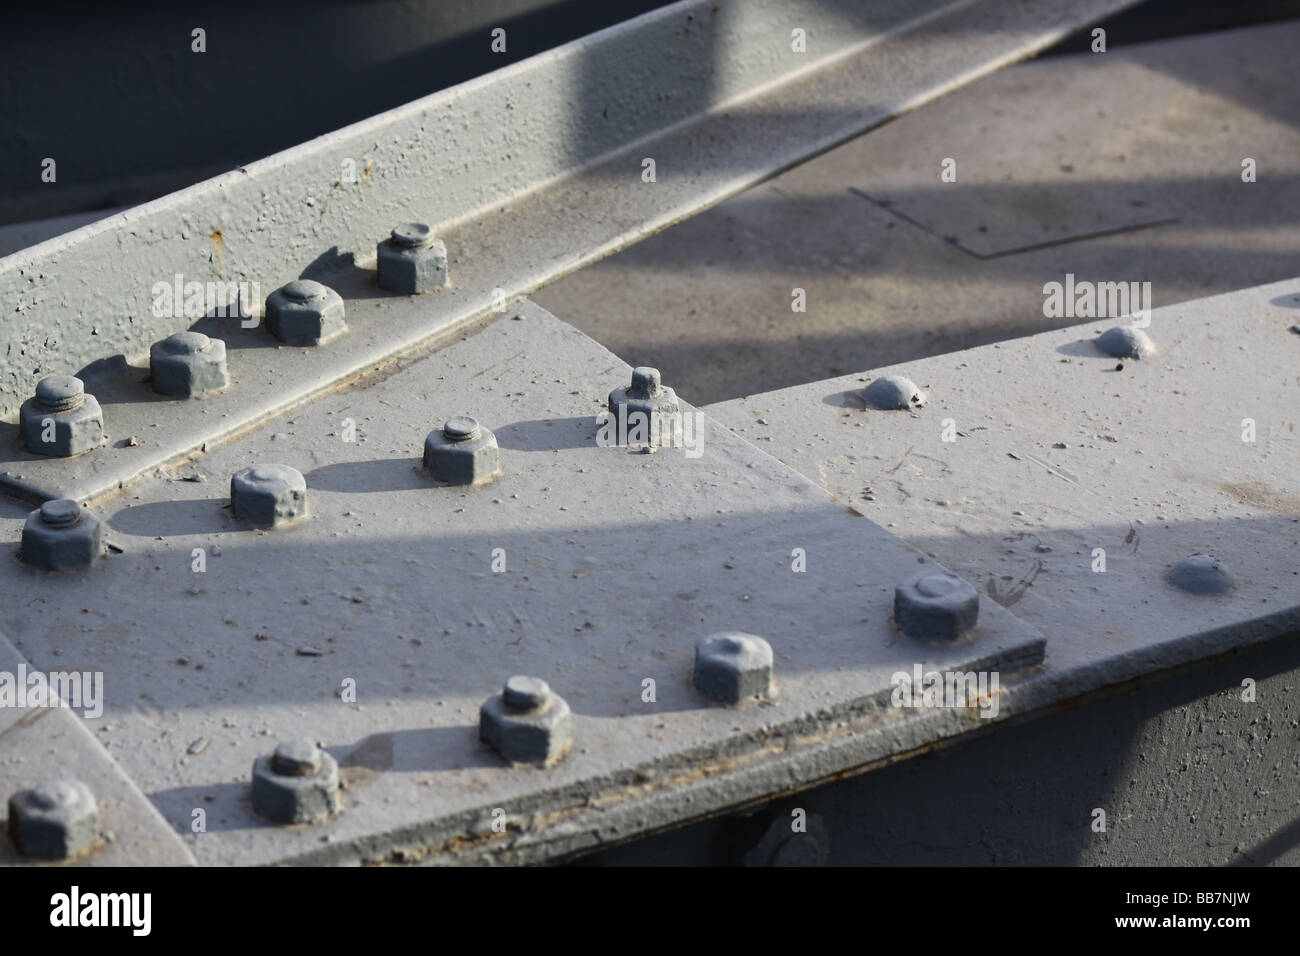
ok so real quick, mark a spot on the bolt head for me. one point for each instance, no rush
(935, 605)
(537, 735)
(60, 512)
(60, 391)
(646, 382)
(894, 393)
(461, 428)
(56, 819)
(525, 693)
(296, 758)
(412, 234)
(302, 290)
(60, 535)
(269, 496)
(1126, 342)
(412, 260)
(296, 797)
(305, 313)
(732, 666)
(1201, 574)
(467, 456)
(188, 365)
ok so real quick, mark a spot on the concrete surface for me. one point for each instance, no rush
(1045, 151)
(40, 742)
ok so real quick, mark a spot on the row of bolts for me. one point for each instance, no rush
(526, 723)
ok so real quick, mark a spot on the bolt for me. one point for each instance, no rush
(1201, 574)
(305, 313)
(413, 235)
(56, 819)
(646, 412)
(296, 758)
(60, 513)
(526, 722)
(936, 606)
(302, 290)
(61, 420)
(412, 260)
(461, 428)
(1125, 342)
(298, 783)
(645, 383)
(525, 693)
(60, 536)
(462, 452)
(60, 393)
(894, 393)
(188, 365)
(733, 666)
(268, 496)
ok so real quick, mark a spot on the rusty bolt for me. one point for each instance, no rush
(188, 365)
(304, 312)
(646, 412)
(54, 820)
(894, 393)
(936, 606)
(462, 452)
(526, 722)
(61, 420)
(412, 260)
(268, 496)
(732, 666)
(60, 535)
(299, 783)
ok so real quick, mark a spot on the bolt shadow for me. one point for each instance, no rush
(1083, 348)
(342, 274)
(378, 475)
(851, 398)
(228, 806)
(546, 434)
(1289, 301)
(175, 518)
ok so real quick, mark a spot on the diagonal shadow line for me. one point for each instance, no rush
(1032, 247)
(1273, 848)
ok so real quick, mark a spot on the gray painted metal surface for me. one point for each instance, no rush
(40, 742)
(713, 93)
(615, 563)
(1060, 453)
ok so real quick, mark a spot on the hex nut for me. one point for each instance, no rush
(304, 312)
(188, 365)
(61, 535)
(54, 820)
(526, 722)
(269, 496)
(462, 452)
(646, 412)
(1126, 342)
(894, 393)
(412, 260)
(61, 420)
(936, 606)
(733, 666)
(299, 783)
